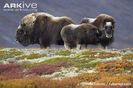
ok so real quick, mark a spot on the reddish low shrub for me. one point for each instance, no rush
(12, 74)
(45, 68)
(8, 67)
(10, 71)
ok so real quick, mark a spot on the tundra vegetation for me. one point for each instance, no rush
(53, 68)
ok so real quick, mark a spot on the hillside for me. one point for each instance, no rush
(121, 10)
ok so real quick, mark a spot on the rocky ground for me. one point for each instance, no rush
(88, 65)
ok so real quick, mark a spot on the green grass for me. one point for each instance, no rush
(31, 56)
(1, 48)
(63, 52)
(4, 54)
(83, 59)
(130, 68)
(96, 54)
(128, 56)
(77, 62)
(86, 58)
(52, 60)
(55, 60)
(25, 65)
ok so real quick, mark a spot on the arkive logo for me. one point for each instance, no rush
(20, 6)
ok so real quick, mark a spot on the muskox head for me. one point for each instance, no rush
(108, 29)
(106, 25)
(25, 30)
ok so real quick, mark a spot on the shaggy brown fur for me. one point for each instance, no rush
(106, 25)
(41, 28)
(83, 34)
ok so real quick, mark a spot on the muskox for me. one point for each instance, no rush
(106, 25)
(76, 35)
(41, 28)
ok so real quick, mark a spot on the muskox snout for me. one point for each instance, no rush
(108, 34)
(20, 31)
(109, 30)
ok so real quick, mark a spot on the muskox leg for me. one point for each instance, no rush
(85, 46)
(102, 46)
(43, 46)
(66, 46)
(105, 47)
(99, 46)
(78, 46)
(43, 43)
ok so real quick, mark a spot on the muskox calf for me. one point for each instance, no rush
(105, 24)
(41, 28)
(77, 35)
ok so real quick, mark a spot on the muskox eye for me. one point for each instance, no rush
(23, 24)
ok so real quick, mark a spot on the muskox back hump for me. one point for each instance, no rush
(65, 21)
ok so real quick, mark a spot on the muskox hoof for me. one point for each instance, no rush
(78, 47)
(69, 45)
(66, 46)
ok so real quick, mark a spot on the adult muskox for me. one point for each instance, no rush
(76, 35)
(41, 28)
(106, 25)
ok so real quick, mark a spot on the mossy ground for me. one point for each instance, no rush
(9, 53)
(31, 56)
(111, 62)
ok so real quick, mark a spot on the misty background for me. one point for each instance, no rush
(121, 10)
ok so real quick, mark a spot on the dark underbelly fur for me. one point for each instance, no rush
(86, 42)
(106, 41)
(103, 41)
(60, 42)
(92, 41)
